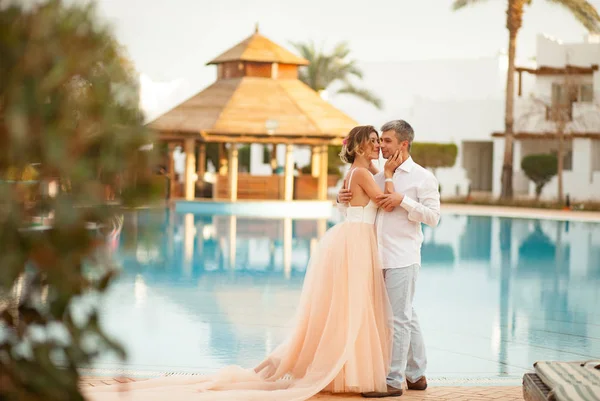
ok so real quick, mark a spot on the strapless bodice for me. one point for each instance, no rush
(362, 214)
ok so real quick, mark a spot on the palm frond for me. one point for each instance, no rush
(310, 74)
(327, 67)
(458, 4)
(353, 69)
(341, 50)
(584, 11)
(306, 50)
(362, 93)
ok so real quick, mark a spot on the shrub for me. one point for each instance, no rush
(540, 169)
(434, 155)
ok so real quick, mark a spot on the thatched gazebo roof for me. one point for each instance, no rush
(261, 49)
(256, 98)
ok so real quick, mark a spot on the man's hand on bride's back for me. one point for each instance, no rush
(344, 196)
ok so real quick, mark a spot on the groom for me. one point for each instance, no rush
(416, 200)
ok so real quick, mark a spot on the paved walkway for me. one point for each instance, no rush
(520, 212)
(432, 393)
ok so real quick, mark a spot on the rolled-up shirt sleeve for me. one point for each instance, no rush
(426, 209)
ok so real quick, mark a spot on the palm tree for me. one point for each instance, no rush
(325, 68)
(582, 10)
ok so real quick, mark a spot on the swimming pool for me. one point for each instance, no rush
(494, 294)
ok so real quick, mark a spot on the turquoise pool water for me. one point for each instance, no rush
(494, 295)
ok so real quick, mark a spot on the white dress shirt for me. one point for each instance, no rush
(399, 232)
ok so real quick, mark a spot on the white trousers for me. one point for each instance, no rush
(408, 355)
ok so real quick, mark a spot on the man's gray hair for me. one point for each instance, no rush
(403, 130)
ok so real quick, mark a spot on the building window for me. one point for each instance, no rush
(561, 108)
(563, 97)
(586, 93)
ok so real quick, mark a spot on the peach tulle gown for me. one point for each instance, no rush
(340, 343)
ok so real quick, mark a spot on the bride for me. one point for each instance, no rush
(342, 336)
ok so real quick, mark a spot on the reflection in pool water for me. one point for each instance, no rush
(495, 294)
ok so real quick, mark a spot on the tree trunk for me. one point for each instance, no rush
(513, 24)
(538, 191)
(560, 157)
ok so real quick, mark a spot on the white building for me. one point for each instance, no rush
(566, 74)
(447, 101)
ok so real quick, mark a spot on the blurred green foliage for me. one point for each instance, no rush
(540, 168)
(71, 128)
(434, 155)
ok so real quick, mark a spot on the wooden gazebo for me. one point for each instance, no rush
(257, 98)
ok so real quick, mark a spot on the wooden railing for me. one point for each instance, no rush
(270, 187)
(250, 187)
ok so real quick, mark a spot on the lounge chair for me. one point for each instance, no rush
(563, 381)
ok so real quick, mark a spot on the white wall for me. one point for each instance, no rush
(456, 121)
(497, 166)
(401, 85)
(552, 53)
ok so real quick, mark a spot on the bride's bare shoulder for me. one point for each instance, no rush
(362, 173)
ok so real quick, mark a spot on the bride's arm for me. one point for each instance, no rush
(390, 199)
(365, 180)
(390, 167)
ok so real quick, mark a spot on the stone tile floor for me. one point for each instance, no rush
(502, 393)
(523, 212)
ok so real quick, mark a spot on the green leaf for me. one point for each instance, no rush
(69, 114)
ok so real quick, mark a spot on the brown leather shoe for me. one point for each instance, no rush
(391, 392)
(420, 384)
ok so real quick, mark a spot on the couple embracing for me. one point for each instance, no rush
(355, 330)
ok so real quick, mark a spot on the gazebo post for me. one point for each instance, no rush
(315, 161)
(171, 169)
(189, 146)
(201, 163)
(289, 173)
(233, 171)
(322, 193)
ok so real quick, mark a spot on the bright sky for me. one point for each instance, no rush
(170, 41)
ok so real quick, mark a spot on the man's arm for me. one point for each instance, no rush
(427, 208)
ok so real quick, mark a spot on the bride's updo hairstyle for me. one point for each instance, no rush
(357, 143)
